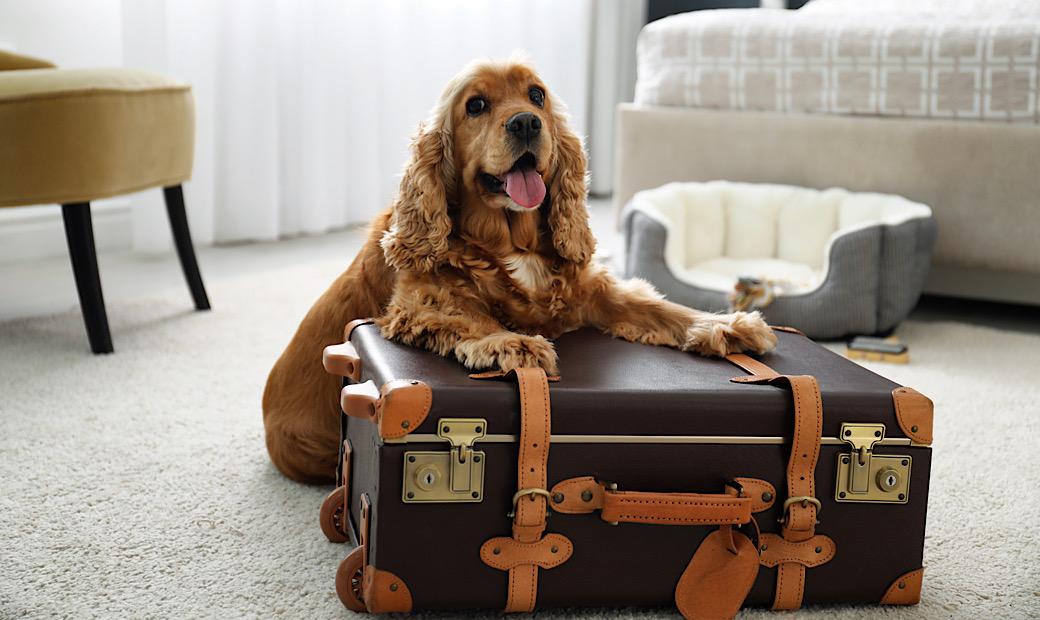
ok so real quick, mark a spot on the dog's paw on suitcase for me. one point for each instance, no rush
(507, 351)
(722, 334)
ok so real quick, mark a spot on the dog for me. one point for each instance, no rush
(485, 255)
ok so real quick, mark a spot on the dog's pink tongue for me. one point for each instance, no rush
(524, 186)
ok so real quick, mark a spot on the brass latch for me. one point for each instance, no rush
(864, 476)
(453, 476)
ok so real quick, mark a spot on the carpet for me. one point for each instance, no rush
(137, 485)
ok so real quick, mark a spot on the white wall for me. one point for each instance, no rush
(69, 33)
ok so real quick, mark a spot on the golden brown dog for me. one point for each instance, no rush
(484, 255)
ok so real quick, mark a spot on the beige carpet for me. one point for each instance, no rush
(136, 485)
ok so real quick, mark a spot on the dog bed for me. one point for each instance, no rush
(829, 263)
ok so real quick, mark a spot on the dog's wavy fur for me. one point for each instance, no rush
(455, 266)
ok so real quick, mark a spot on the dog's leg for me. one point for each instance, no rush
(450, 323)
(633, 310)
(301, 400)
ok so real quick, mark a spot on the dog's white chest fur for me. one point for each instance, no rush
(529, 271)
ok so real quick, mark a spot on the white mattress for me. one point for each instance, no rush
(946, 59)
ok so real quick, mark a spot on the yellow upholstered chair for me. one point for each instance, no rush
(70, 136)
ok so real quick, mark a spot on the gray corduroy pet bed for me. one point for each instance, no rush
(835, 262)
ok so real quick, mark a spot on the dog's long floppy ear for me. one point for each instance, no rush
(568, 190)
(419, 227)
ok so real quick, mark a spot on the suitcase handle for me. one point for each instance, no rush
(585, 495)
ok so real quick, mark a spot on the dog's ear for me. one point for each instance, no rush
(568, 190)
(419, 226)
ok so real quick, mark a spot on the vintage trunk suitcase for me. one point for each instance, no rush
(642, 476)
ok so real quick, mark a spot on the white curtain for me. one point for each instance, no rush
(305, 107)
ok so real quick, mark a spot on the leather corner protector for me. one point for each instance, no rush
(758, 491)
(349, 329)
(573, 493)
(384, 592)
(914, 412)
(403, 406)
(505, 553)
(809, 553)
(906, 590)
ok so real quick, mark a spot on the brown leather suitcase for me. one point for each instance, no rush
(642, 476)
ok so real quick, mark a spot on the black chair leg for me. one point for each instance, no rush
(182, 239)
(80, 234)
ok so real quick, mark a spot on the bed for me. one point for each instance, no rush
(936, 101)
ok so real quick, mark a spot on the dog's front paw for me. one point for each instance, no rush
(507, 351)
(722, 334)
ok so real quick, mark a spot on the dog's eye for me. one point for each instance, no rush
(476, 105)
(537, 96)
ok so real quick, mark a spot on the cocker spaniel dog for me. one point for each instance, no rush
(484, 255)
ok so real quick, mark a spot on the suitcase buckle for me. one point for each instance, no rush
(523, 492)
(805, 500)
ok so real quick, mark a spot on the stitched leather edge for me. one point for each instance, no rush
(756, 489)
(914, 411)
(403, 406)
(385, 592)
(775, 550)
(511, 554)
(909, 594)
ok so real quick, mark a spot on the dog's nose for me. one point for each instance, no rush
(524, 125)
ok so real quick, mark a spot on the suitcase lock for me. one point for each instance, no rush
(446, 477)
(867, 477)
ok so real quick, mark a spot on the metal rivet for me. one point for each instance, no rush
(819, 550)
(477, 430)
(476, 458)
(393, 587)
(446, 429)
(405, 424)
(902, 497)
(558, 498)
(555, 549)
(767, 497)
(764, 547)
(913, 429)
(848, 433)
(415, 383)
(586, 496)
(411, 459)
(411, 495)
(474, 494)
(496, 551)
(902, 585)
(877, 433)
(842, 495)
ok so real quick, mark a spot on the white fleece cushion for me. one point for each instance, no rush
(804, 226)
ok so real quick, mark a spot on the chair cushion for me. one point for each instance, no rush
(76, 135)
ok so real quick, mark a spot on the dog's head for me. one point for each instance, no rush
(499, 138)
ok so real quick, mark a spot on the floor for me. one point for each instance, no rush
(47, 286)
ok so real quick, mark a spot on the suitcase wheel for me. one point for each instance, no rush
(333, 516)
(349, 579)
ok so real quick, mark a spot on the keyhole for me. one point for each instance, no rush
(429, 479)
(891, 480)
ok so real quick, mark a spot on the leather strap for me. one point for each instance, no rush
(526, 551)
(650, 508)
(801, 508)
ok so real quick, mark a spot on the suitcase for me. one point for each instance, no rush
(642, 476)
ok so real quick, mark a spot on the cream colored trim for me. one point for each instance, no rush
(651, 439)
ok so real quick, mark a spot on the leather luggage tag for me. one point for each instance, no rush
(717, 580)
